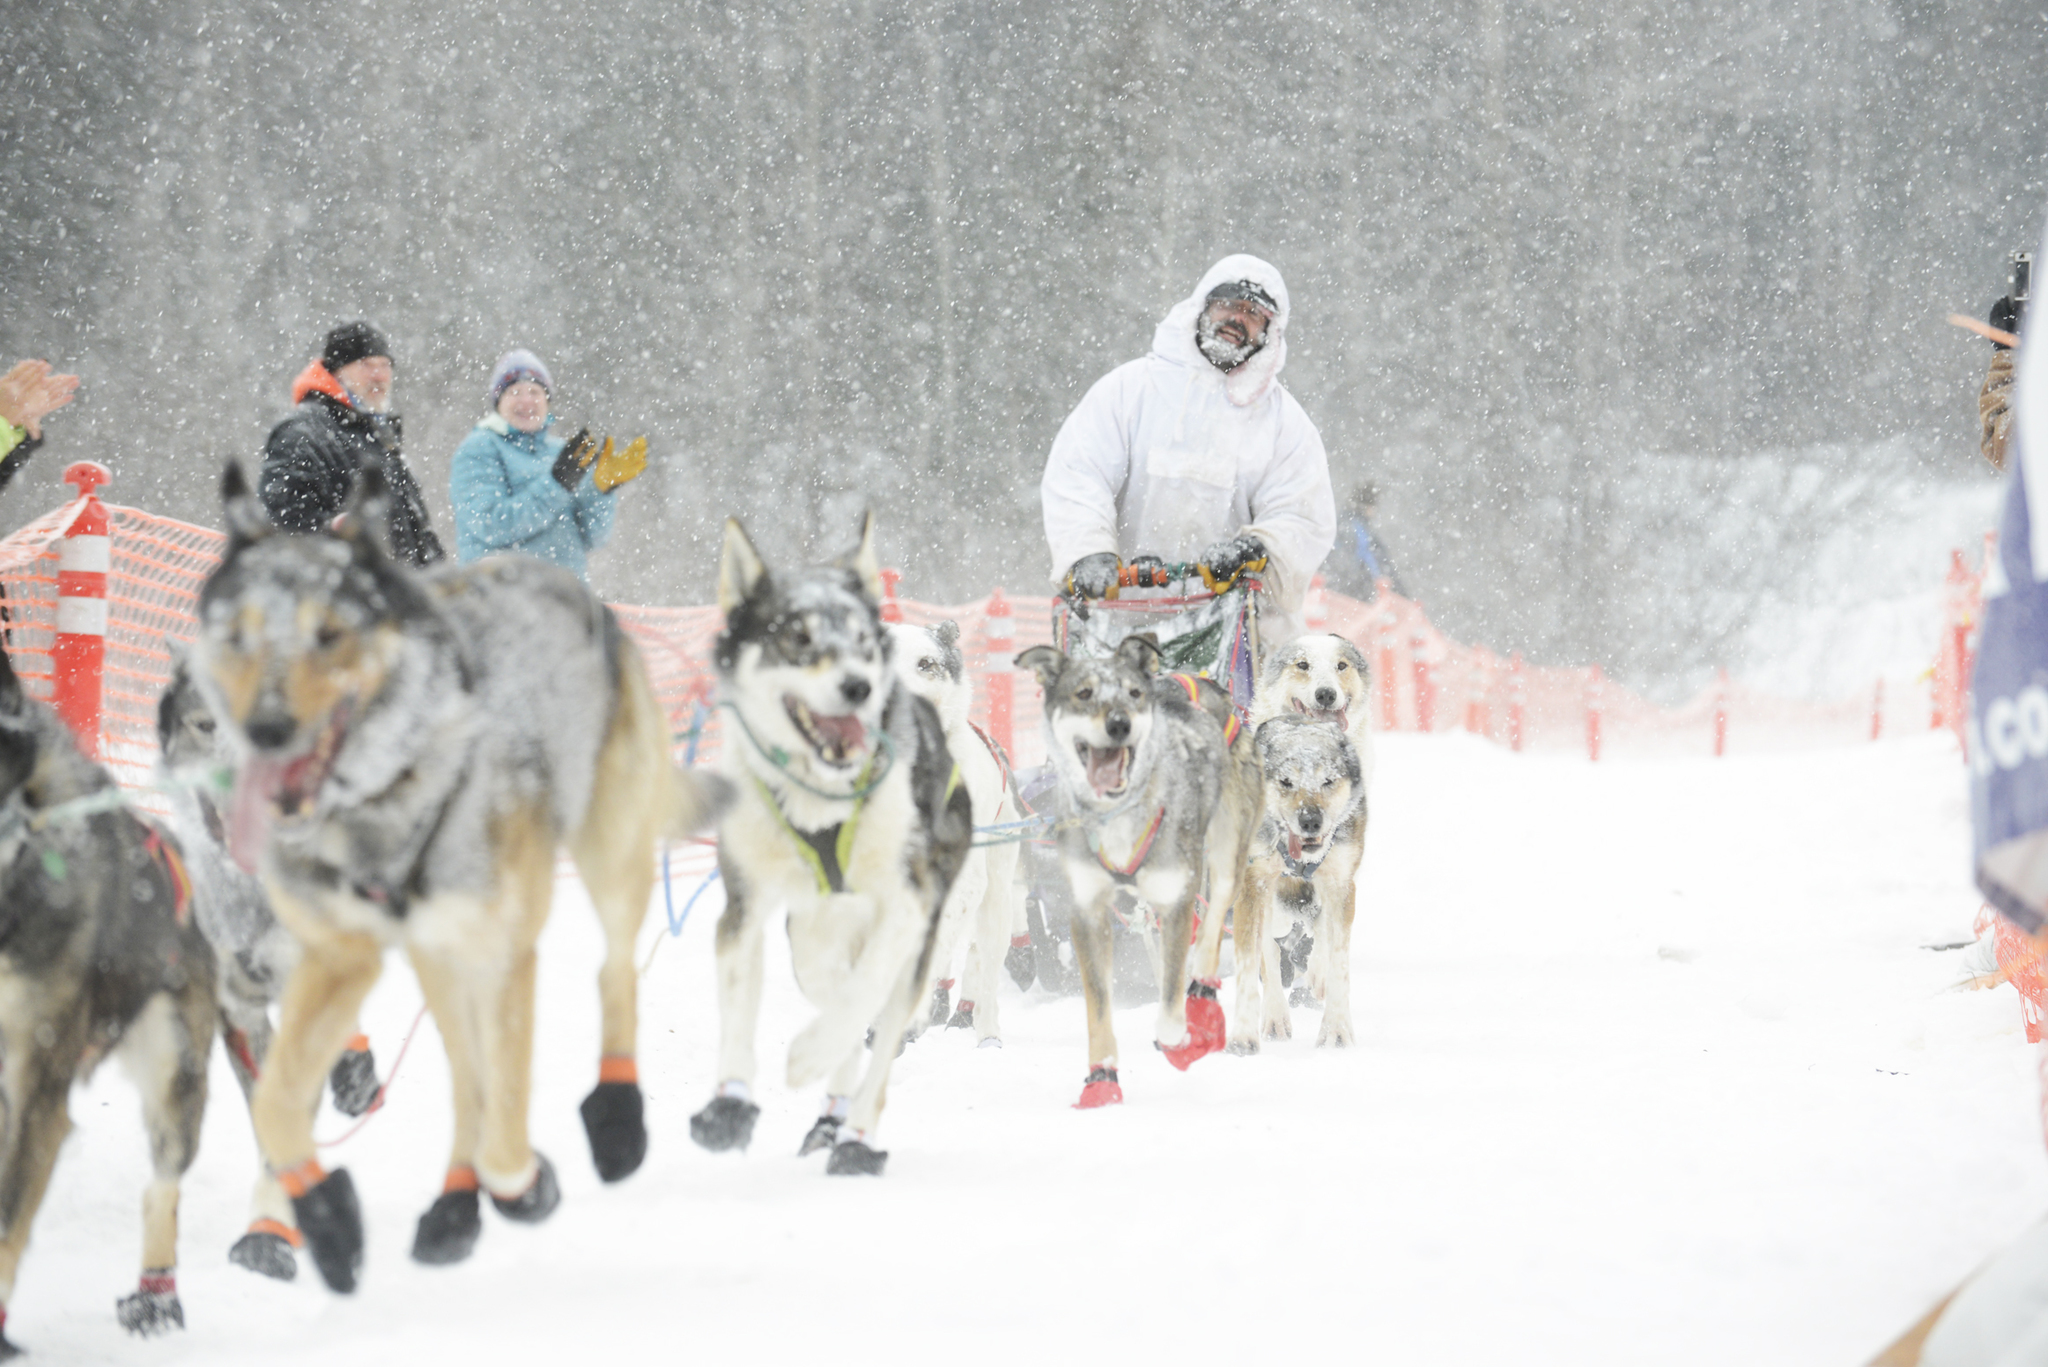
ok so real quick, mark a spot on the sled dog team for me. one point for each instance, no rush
(405, 766)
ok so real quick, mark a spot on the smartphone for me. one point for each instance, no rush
(2022, 276)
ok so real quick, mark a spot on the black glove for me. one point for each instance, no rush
(1095, 576)
(576, 455)
(2006, 316)
(1223, 562)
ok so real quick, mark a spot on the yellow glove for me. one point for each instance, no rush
(616, 467)
(1225, 562)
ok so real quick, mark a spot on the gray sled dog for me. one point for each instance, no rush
(98, 955)
(255, 953)
(1323, 678)
(984, 899)
(851, 815)
(1158, 792)
(413, 748)
(1303, 869)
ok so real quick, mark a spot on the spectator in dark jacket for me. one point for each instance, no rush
(28, 394)
(343, 420)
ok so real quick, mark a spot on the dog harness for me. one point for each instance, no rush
(166, 856)
(1193, 684)
(1137, 861)
(828, 851)
(1002, 759)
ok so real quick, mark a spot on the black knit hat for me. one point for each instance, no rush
(352, 342)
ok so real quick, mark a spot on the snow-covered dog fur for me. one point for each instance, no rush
(983, 901)
(413, 748)
(851, 816)
(1303, 869)
(1322, 677)
(1155, 793)
(98, 955)
(256, 954)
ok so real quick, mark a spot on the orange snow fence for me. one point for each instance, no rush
(99, 597)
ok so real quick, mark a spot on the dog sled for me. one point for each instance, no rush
(1214, 635)
(1211, 634)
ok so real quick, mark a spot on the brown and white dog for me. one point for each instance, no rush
(1315, 749)
(413, 748)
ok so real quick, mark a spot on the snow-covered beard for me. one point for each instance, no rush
(1225, 355)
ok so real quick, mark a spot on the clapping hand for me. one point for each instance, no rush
(31, 392)
(577, 453)
(616, 467)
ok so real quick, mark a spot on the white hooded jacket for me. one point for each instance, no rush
(1167, 455)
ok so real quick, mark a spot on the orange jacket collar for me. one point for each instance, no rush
(317, 379)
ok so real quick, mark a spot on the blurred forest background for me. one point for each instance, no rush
(1627, 308)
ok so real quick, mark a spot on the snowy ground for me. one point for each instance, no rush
(1655, 1069)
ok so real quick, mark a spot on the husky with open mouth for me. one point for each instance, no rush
(1158, 792)
(851, 816)
(412, 750)
(1302, 880)
(1321, 677)
(256, 953)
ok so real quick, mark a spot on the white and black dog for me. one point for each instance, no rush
(851, 815)
(1322, 678)
(984, 898)
(1157, 792)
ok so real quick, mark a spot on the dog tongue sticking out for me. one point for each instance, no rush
(267, 785)
(841, 735)
(1106, 768)
(1339, 715)
(1294, 846)
(251, 807)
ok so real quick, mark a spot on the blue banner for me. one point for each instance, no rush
(2008, 725)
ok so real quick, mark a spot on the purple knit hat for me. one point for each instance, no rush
(516, 365)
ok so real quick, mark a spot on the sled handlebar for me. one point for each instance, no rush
(1155, 576)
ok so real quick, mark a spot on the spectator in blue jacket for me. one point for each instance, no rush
(516, 488)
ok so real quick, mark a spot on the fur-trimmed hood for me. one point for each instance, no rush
(1174, 340)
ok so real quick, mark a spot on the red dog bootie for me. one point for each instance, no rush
(1206, 1028)
(1100, 1089)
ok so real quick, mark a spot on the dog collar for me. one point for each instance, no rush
(870, 777)
(1300, 868)
(1137, 860)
